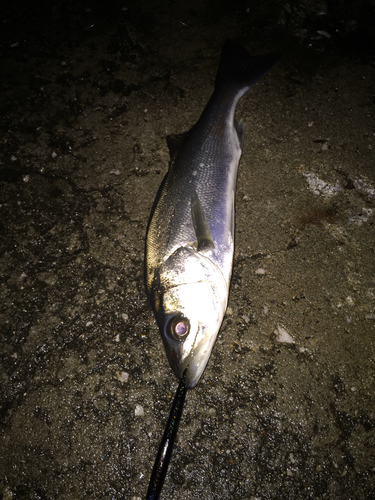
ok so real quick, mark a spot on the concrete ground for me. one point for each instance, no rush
(286, 406)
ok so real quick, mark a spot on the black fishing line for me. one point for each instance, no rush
(166, 445)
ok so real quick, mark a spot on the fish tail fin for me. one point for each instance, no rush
(237, 67)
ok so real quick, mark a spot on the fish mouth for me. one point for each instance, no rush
(191, 373)
(192, 366)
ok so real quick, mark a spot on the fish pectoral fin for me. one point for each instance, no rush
(232, 218)
(201, 227)
(240, 129)
(174, 142)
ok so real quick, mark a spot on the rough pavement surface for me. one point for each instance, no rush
(286, 407)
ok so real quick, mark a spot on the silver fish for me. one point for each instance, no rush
(190, 236)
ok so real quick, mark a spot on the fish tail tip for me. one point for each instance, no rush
(237, 65)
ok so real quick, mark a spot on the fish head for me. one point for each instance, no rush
(190, 300)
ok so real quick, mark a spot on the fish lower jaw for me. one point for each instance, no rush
(192, 369)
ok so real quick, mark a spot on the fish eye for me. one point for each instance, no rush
(178, 327)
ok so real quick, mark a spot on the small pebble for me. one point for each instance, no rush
(349, 301)
(282, 335)
(324, 33)
(246, 318)
(124, 377)
(139, 411)
(260, 270)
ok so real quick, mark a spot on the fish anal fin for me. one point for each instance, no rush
(201, 227)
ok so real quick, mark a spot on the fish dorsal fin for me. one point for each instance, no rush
(174, 142)
(240, 129)
(201, 228)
